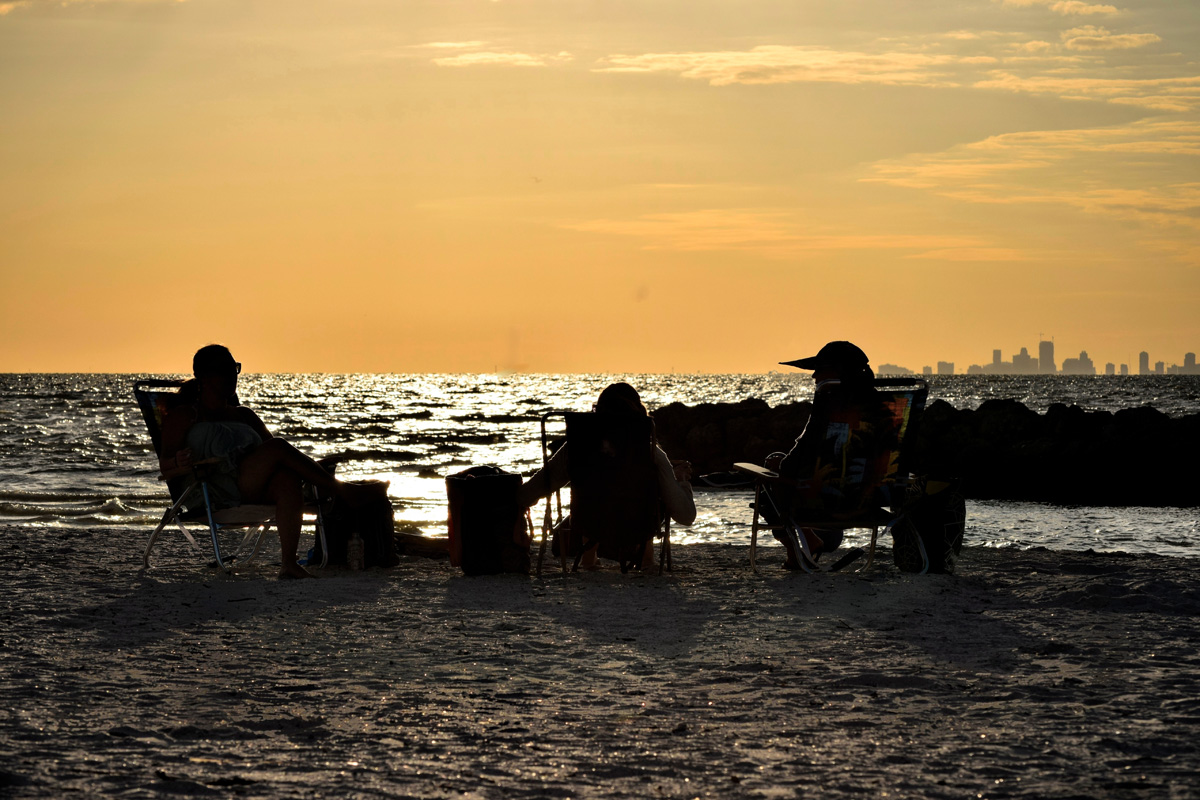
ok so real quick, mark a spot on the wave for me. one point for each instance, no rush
(110, 509)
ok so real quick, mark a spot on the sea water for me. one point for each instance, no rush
(74, 450)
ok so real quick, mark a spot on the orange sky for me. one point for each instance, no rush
(470, 185)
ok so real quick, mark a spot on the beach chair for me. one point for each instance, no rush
(878, 479)
(615, 505)
(190, 498)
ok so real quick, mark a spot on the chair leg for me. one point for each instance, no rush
(170, 515)
(754, 525)
(800, 542)
(154, 536)
(262, 534)
(320, 532)
(545, 534)
(212, 528)
(870, 551)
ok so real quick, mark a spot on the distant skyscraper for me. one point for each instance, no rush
(1024, 364)
(1046, 364)
(1078, 366)
(945, 368)
(926, 370)
(1110, 368)
(1159, 368)
(1143, 363)
(1124, 369)
(997, 358)
(1189, 364)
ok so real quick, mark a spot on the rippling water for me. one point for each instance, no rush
(74, 449)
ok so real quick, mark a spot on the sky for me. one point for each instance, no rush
(595, 186)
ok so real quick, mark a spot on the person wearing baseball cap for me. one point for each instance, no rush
(844, 404)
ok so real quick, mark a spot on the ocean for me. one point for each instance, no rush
(74, 450)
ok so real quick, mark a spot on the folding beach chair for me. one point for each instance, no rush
(190, 496)
(615, 505)
(875, 475)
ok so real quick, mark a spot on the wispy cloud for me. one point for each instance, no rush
(769, 64)
(1090, 37)
(1072, 68)
(472, 45)
(1117, 171)
(489, 58)
(13, 5)
(1066, 7)
(1163, 94)
(769, 232)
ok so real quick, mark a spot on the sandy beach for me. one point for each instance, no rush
(1027, 674)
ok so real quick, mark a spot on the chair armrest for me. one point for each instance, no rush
(759, 473)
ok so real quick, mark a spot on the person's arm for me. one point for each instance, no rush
(546, 480)
(801, 460)
(248, 417)
(676, 494)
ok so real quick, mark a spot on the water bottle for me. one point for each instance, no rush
(354, 552)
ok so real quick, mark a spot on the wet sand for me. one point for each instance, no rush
(1028, 674)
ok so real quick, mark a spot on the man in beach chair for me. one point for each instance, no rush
(624, 489)
(846, 465)
(224, 468)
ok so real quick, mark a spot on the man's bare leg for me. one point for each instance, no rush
(285, 491)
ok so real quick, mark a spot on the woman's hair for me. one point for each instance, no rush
(621, 398)
(212, 359)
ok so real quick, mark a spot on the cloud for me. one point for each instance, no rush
(13, 5)
(453, 45)
(1065, 7)
(973, 254)
(501, 59)
(1163, 94)
(1122, 171)
(770, 232)
(769, 64)
(1090, 37)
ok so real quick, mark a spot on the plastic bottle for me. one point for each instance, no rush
(354, 552)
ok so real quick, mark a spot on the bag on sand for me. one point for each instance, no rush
(374, 521)
(928, 535)
(487, 534)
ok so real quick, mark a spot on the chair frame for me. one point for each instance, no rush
(551, 520)
(866, 517)
(256, 520)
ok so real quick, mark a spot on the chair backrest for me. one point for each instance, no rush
(154, 398)
(905, 398)
(614, 485)
(154, 401)
(865, 443)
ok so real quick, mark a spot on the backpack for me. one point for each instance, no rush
(928, 535)
(373, 521)
(487, 534)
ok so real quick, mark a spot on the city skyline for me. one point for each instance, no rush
(1045, 363)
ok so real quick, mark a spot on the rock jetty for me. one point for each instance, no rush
(1001, 450)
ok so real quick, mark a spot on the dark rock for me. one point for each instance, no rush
(1001, 450)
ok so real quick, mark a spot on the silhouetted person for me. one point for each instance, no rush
(207, 422)
(673, 478)
(846, 412)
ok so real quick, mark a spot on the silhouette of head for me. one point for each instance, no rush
(214, 359)
(621, 398)
(840, 356)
